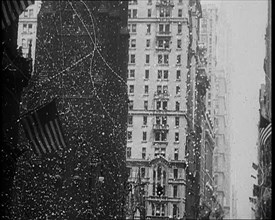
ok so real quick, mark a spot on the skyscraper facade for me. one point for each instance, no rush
(215, 34)
(157, 76)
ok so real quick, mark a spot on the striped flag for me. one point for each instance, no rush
(11, 9)
(43, 129)
(264, 130)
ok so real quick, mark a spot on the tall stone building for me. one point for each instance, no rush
(81, 61)
(215, 34)
(157, 119)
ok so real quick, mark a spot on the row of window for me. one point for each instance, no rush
(159, 120)
(28, 13)
(160, 105)
(159, 210)
(159, 136)
(158, 152)
(163, 12)
(163, 28)
(26, 42)
(160, 89)
(161, 43)
(162, 74)
(149, 2)
(27, 28)
(162, 59)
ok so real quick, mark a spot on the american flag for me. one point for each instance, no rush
(11, 9)
(43, 129)
(264, 130)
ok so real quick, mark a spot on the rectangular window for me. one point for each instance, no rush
(158, 105)
(157, 120)
(144, 135)
(175, 173)
(165, 74)
(128, 152)
(175, 191)
(167, 28)
(148, 28)
(133, 58)
(180, 1)
(133, 43)
(164, 105)
(166, 58)
(160, 136)
(26, 13)
(179, 28)
(178, 75)
(146, 89)
(129, 13)
(160, 152)
(144, 120)
(177, 90)
(178, 59)
(179, 43)
(143, 154)
(130, 120)
(147, 59)
(31, 13)
(24, 28)
(164, 120)
(29, 28)
(160, 60)
(149, 2)
(131, 89)
(161, 28)
(134, 28)
(134, 13)
(149, 13)
(131, 73)
(146, 105)
(176, 136)
(175, 210)
(148, 43)
(177, 106)
(142, 172)
(180, 13)
(165, 89)
(131, 105)
(177, 121)
(176, 154)
(146, 74)
(159, 77)
(129, 135)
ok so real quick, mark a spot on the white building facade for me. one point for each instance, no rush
(157, 107)
(27, 27)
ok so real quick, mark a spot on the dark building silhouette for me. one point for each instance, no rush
(81, 60)
(15, 74)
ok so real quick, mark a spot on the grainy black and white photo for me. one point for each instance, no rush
(136, 110)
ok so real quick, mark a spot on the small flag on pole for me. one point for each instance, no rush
(264, 130)
(11, 9)
(43, 129)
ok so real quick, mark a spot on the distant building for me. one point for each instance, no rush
(215, 34)
(27, 29)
